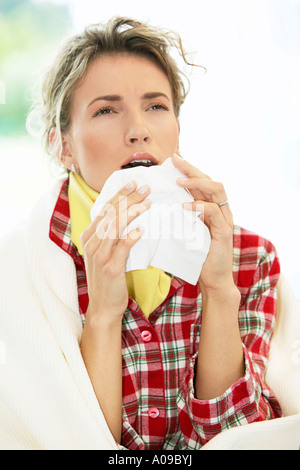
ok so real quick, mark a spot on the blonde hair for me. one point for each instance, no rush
(119, 35)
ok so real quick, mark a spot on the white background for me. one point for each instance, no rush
(240, 123)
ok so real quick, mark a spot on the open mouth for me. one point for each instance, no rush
(140, 162)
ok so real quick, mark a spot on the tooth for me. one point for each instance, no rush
(140, 161)
(143, 161)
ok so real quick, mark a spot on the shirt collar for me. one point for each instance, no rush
(60, 226)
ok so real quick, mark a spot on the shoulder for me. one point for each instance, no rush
(254, 258)
(250, 242)
(14, 240)
(250, 247)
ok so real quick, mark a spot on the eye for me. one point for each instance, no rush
(102, 111)
(157, 107)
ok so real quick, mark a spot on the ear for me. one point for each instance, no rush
(66, 153)
(65, 156)
(52, 134)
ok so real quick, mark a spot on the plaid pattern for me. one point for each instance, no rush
(60, 233)
(159, 353)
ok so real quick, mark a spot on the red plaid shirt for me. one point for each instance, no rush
(160, 410)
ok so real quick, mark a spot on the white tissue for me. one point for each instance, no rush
(175, 240)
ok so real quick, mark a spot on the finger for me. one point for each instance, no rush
(201, 185)
(125, 191)
(122, 200)
(187, 168)
(131, 214)
(114, 249)
(113, 225)
(226, 211)
(219, 225)
(128, 189)
(209, 209)
(92, 237)
(209, 190)
(115, 200)
(127, 196)
(124, 245)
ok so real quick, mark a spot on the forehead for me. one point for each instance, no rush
(121, 74)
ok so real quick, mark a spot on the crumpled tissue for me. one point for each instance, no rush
(174, 240)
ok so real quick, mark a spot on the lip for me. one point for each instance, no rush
(141, 156)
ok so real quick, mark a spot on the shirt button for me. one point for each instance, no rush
(153, 412)
(146, 336)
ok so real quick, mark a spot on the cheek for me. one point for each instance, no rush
(171, 134)
(87, 142)
(104, 133)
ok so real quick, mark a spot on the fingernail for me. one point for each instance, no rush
(130, 185)
(182, 180)
(177, 156)
(146, 202)
(143, 189)
(188, 206)
(191, 206)
(136, 233)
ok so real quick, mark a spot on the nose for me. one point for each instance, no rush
(137, 132)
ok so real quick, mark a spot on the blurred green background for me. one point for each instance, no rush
(29, 31)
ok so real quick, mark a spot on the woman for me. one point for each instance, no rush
(112, 96)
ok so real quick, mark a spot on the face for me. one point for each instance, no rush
(121, 111)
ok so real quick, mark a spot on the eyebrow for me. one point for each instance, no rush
(154, 94)
(147, 96)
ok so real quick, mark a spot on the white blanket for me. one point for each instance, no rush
(46, 398)
(283, 376)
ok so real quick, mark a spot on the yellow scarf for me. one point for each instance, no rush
(148, 287)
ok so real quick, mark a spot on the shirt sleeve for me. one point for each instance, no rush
(249, 399)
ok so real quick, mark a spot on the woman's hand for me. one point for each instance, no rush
(220, 355)
(216, 273)
(106, 251)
